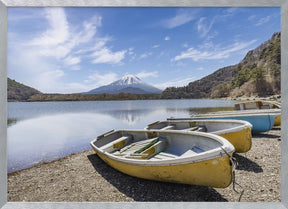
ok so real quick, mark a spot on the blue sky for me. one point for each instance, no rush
(70, 50)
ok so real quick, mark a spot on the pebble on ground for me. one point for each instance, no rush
(84, 177)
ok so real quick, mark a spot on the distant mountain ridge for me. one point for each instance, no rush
(127, 84)
(258, 74)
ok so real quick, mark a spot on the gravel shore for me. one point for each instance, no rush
(85, 177)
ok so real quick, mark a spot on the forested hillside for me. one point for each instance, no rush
(258, 74)
(19, 92)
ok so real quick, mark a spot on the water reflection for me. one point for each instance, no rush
(48, 134)
(128, 117)
(196, 111)
(47, 138)
(27, 110)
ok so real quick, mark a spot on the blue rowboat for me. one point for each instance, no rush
(249, 105)
(261, 120)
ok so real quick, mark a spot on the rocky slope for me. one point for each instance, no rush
(258, 74)
(19, 92)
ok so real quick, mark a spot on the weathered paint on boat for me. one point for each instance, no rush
(209, 168)
(277, 121)
(261, 120)
(237, 132)
(241, 140)
(259, 104)
(214, 172)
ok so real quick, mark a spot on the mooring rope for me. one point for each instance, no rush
(234, 164)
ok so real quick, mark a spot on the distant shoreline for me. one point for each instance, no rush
(128, 96)
(254, 98)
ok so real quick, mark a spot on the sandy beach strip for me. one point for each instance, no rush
(84, 177)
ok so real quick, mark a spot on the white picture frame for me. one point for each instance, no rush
(4, 4)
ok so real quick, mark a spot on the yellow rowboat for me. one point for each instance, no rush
(170, 156)
(237, 132)
(253, 105)
(277, 121)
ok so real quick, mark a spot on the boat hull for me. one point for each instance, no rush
(178, 157)
(260, 123)
(277, 121)
(196, 173)
(241, 140)
(237, 132)
(250, 105)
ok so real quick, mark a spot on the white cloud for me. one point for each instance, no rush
(101, 79)
(263, 20)
(178, 20)
(218, 53)
(105, 55)
(59, 52)
(42, 61)
(204, 26)
(34, 70)
(29, 13)
(181, 17)
(75, 87)
(175, 83)
(155, 46)
(48, 81)
(131, 52)
(207, 45)
(200, 68)
(260, 21)
(58, 31)
(231, 10)
(144, 74)
(252, 17)
(185, 45)
(72, 60)
(100, 53)
(89, 29)
(99, 44)
(145, 55)
(60, 40)
(167, 38)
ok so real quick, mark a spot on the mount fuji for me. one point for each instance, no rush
(127, 84)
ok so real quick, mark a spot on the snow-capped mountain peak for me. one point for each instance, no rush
(127, 84)
(128, 80)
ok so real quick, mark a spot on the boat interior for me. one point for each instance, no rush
(154, 145)
(198, 126)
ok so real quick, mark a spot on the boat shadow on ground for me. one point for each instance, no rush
(247, 164)
(146, 190)
(264, 135)
(272, 134)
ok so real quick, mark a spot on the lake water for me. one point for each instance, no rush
(44, 131)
